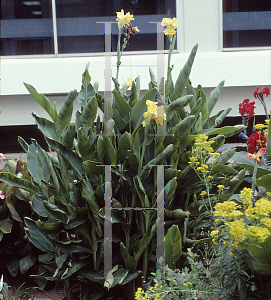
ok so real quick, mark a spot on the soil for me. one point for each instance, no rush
(53, 294)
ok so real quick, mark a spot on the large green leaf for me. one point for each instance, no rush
(37, 205)
(46, 127)
(26, 263)
(20, 183)
(88, 194)
(180, 130)
(86, 147)
(56, 213)
(124, 145)
(89, 113)
(75, 268)
(156, 161)
(121, 105)
(37, 237)
(93, 168)
(173, 245)
(177, 105)
(261, 260)
(142, 244)
(68, 136)
(183, 76)
(65, 112)
(141, 192)
(214, 96)
(225, 129)
(71, 156)
(43, 101)
(129, 260)
(265, 181)
(15, 215)
(110, 151)
(260, 171)
(140, 107)
(36, 163)
(197, 107)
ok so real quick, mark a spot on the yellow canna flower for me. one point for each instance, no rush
(129, 82)
(123, 19)
(171, 25)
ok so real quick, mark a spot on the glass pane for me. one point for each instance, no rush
(78, 31)
(26, 27)
(246, 23)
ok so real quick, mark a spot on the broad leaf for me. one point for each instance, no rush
(183, 76)
(173, 245)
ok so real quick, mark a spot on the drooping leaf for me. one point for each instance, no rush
(18, 182)
(43, 101)
(46, 127)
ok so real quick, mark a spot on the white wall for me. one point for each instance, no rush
(199, 22)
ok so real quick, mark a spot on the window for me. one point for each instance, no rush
(246, 23)
(27, 26)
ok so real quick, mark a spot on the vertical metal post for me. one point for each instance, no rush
(54, 26)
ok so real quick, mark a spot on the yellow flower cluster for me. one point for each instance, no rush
(141, 295)
(171, 25)
(237, 231)
(258, 227)
(261, 127)
(123, 19)
(155, 112)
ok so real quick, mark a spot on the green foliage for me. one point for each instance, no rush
(67, 189)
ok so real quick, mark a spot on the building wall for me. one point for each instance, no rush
(199, 22)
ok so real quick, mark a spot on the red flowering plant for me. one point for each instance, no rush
(260, 95)
(246, 109)
(256, 142)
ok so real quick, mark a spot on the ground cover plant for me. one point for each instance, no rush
(175, 129)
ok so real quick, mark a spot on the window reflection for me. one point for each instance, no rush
(78, 31)
(26, 27)
(246, 23)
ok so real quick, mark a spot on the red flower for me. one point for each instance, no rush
(247, 108)
(265, 91)
(256, 140)
(257, 156)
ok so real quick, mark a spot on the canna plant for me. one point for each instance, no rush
(134, 136)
